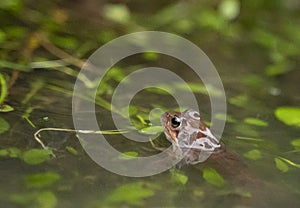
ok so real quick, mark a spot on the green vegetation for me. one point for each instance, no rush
(288, 115)
(43, 45)
(213, 177)
(254, 154)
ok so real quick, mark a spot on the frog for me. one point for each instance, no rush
(191, 139)
(195, 144)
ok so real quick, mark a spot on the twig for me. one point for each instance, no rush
(37, 133)
(58, 52)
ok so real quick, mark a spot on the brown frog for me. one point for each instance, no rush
(193, 141)
(190, 137)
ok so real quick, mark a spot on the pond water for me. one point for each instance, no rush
(265, 145)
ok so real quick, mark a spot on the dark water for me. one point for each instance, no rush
(84, 184)
(81, 182)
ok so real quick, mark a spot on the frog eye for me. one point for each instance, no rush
(175, 122)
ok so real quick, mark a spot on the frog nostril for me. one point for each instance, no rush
(175, 122)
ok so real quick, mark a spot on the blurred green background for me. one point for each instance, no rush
(255, 46)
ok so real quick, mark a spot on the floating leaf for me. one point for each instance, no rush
(278, 69)
(254, 154)
(4, 125)
(6, 108)
(179, 177)
(296, 143)
(240, 100)
(195, 87)
(132, 194)
(163, 89)
(71, 150)
(280, 165)
(46, 199)
(3, 152)
(150, 56)
(36, 156)
(12, 152)
(23, 198)
(41, 180)
(213, 177)
(159, 90)
(152, 130)
(2, 36)
(288, 115)
(253, 81)
(225, 117)
(128, 155)
(246, 130)
(255, 121)
(198, 193)
(199, 88)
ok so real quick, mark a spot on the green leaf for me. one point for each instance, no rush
(240, 100)
(41, 180)
(14, 5)
(36, 156)
(2, 36)
(128, 155)
(14, 152)
(3, 152)
(288, 115)
(163, 89)
(255, 121)
(253, 81)
(65, 42)
(213, 177)
(246, 130)
(150, 56)
(278, 69)
(46, 199)
(131, 194)
(4, 125)
(254, 154)
(152, 130)
(23, 198)
(71, 150)
(296, 143)
(280, 165)
(6, 108)
(198, 88)
(178, 177)
(225, 117)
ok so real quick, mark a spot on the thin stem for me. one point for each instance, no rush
(3, 89)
